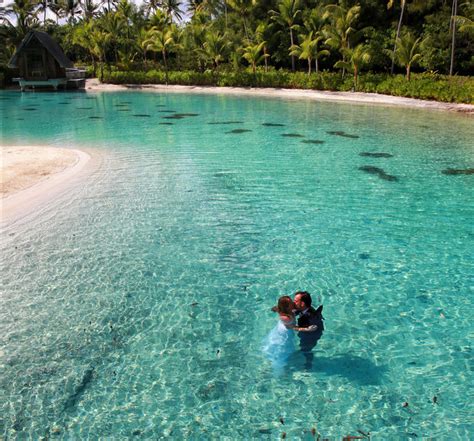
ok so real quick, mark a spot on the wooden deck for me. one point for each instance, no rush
(54, 82)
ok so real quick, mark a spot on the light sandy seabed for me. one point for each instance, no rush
(349, 97)
(30, 175)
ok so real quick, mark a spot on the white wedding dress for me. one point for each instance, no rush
(279, 344)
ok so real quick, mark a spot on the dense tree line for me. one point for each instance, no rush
(223, 35)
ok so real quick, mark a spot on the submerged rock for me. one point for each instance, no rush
(378, 171)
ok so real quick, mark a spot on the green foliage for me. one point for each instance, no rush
(221, 34)
(423, 86)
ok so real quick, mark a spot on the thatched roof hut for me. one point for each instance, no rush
(41, 62)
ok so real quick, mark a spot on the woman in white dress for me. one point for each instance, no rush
(280, 342)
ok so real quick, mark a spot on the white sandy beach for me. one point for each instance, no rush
(349, 97)
(32, 174)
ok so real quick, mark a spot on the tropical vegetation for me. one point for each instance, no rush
(369, 45)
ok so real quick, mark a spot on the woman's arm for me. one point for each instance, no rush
(311, 328)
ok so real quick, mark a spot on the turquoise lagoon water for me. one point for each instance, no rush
(135, 305)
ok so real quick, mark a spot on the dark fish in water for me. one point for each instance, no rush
(273, 125)
(238, 131)
(454, 171)
(341, 133)
(173, 117)
(81, 387)
(378, 171)
(215, 123)
(141, 115)
(312, 141)
(376, 155)
(265, 431)
(292, 135)
(95, 117)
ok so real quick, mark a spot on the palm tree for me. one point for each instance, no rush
(454, 13)
(43, 6)
(94, 38)
(162, 40)
(70, 9)
(57, 9)
(356, 58)
(151, 6)
(172, 9)
(315, 22)
(252, 53)
(341, 29)
(465, 24)
(215, 47)
(89, 9)
(243, 8)
(262, 30)
(397, 36)
(307, 49)
(287, 15)
(24, 14)
(407, 51)
(194, 37)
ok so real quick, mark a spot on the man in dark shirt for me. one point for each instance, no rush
(308, 317)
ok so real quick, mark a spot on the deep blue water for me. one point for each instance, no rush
(135, 305)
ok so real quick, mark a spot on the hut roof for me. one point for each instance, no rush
(49, 43)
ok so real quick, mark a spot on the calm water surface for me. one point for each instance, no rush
(136, 304)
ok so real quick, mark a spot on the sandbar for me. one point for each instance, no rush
(32, 174)
(348, 97)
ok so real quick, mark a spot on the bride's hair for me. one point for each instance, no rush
(285, 305)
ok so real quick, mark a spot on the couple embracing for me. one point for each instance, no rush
(295, 315)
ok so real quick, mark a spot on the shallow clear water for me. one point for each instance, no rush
(136, 304)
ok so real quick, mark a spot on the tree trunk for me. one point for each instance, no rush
(408, 72)
(356, 73)
(453, 30)
(266, 58)
(309, 66)
(397, 36)
(316, 64)
(163, 52)
(292, 57)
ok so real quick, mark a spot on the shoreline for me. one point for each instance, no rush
(94, 85)
(31, 186)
